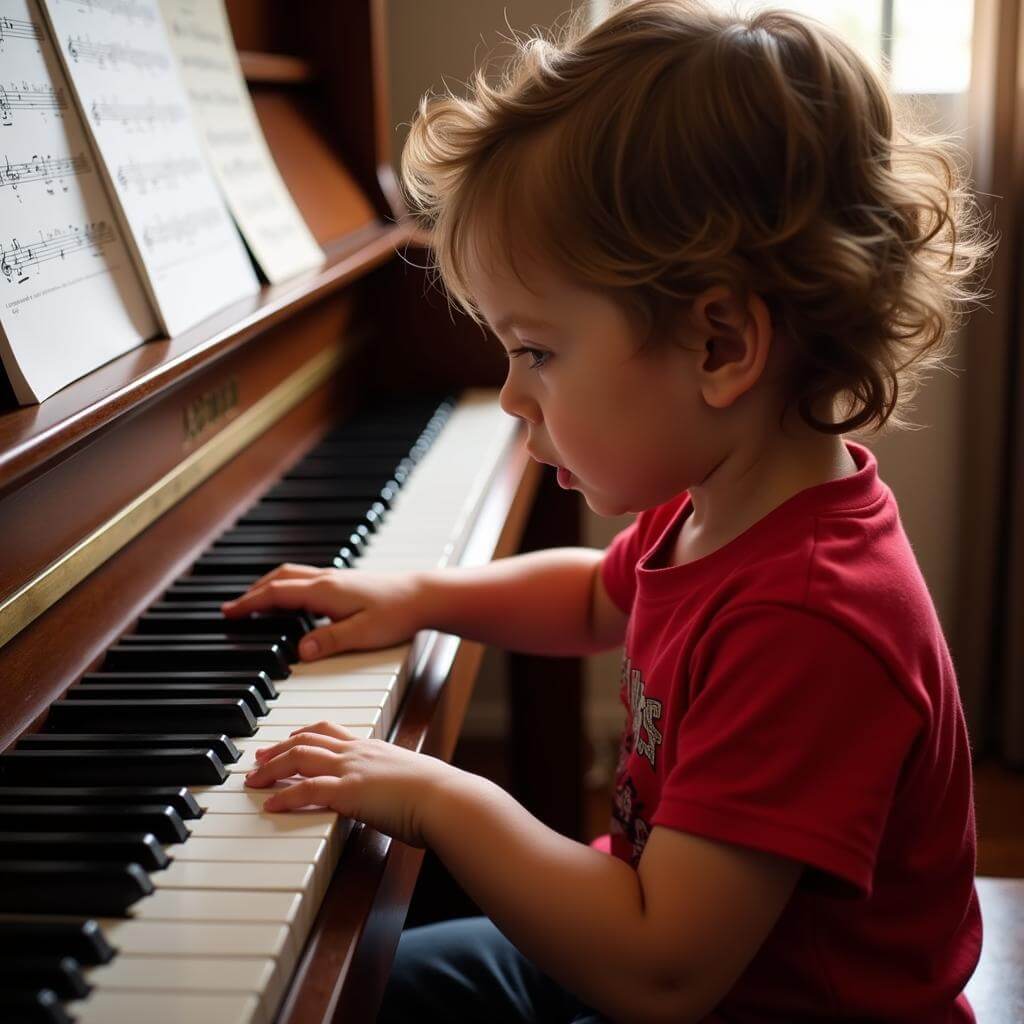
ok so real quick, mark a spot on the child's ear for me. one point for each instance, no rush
(735, 339)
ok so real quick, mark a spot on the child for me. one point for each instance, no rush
(709, 254)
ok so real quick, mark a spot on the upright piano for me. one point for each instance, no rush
(342, 418)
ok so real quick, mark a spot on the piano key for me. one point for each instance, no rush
(380, 701)
(242, 975)
(295, 717)
(325, 467)
(263, 683)
(256, 564)
(71, 887)
(299, 536)
(36, 935)
(343, 514)
(160, 1008)
(62, 974)
(231, 717)
(40, 1007)
(120, 847)
(163, 822)
(164, 657)
(91, 767)
(278, 644)
(260, 876)
(176, 691)
(288, 626)
(221, 745)
(296, 824)
(348, 488)
(177, 797)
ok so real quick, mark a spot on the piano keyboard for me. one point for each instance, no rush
(149, 833)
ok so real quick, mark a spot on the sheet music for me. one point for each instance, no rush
(125, 79)
(70, 298)
(257, 197)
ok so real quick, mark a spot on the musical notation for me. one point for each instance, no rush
(181, 229)
(18, 28)
(243, 167)
(136, 116)
(41, 97)
(46, 169)
(113, 55)
(143, 175)
(194, 33)
(130, 10)
(16, 259)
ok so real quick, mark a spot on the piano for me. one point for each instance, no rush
(343, 418)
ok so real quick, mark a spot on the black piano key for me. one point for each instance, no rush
(259, 563)
(161, 821)
(322, 535)
(71, 887)
(142, 848)
(30, 935)
(177, 797)
(41, 1007)
(187, 588)
(340, 513)
(174, 691)
(96, 768)
(62, 974)
(381, 449)
(161, 657)
(345, 488)
(315, 467)
(263, 683)
(154, 622)
(221, 745)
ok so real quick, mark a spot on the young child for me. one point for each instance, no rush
(709, 254)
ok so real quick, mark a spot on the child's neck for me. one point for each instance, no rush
(752, 480)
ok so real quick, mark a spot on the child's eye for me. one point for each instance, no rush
(537, 356)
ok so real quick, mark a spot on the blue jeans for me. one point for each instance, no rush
(465, 971)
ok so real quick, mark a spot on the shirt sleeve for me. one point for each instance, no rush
(618, 567)
(794, 742)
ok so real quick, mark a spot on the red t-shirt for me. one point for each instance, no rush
(792, 692)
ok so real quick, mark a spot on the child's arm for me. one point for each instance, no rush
(662, 943)
(546, 602)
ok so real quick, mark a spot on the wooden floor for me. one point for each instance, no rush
(999, 802)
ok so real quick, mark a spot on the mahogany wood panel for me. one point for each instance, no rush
(275, 67)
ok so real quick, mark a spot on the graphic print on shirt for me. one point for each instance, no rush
(642, 737)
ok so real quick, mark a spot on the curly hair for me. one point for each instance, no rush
(671, 148)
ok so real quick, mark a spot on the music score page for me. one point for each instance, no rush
(118, 58)
(261, 204)
(70, 297)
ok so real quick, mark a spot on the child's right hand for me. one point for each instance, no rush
(368, 609)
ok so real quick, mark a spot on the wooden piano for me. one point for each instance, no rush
(117, 494)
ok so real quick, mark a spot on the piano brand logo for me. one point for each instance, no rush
(211, 406)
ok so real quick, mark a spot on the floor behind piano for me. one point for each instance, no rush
(999, 796)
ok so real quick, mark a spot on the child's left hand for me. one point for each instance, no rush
(390, 788)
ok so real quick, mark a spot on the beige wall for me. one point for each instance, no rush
(923, 467)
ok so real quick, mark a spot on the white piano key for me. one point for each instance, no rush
(228, 907)
(386, 660)
(309, 716)
(258, 876)
(259, 978)
(166, 1008)
(181, 938)
(297, 824)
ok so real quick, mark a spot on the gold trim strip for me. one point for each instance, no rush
(39, 593)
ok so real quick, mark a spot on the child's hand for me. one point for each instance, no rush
(390, 788)
(371, 609)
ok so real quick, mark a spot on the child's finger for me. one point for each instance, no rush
(288, 594)
(333, 639)
(321, 791)
(309, 739)
(300, 760)
(286, 571)
(339, 732)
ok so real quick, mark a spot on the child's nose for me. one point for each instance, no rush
(516, 402)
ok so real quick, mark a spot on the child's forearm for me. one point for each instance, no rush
(538, 603)
(575, 912)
